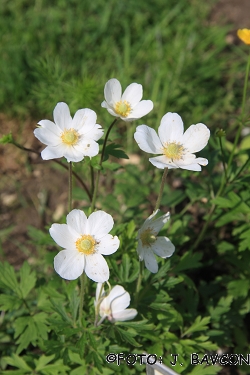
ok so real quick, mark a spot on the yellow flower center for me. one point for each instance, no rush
(173, 150)
(86, 244)
(147, 237)
(123, 108)
(244, 35)
(70, 137)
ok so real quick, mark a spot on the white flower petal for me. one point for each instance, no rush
(96, 268)
(149, 259)
(87, 147)
(119, 302)
(150, 218)
(77, 220)
(48, 136)
(84, 120)
(201, 161)
(190, 162)
(196, 137)
(47, 124)
(124, 315)
(62, 116)
(96, 133)
(63, 236)
(111, 111)
(163, 247)
(104, 104)
(171, 128)
(142, 109)
(162, 162)
(69, 264)
(157, 224)
(140, 249)
(133, 94)
(50, 126)
(72, 153)
(116, 291)
(112, 91)
(148, 140)
(53, 152)
(108, 244)
(191, 167)
(100, 223)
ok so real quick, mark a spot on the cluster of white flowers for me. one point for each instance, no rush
(86, 240)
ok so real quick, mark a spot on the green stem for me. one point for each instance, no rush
(82, 291)
(223, 159)
(139, 280)
(241, 169)
(57, 162)
(100, 166)
(70, 187)
(211, 211)
(242, 114)
(161, 189)
(92, 180)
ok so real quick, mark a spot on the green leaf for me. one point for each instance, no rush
(27, 279)
(114, 150)
(58, 307)
(18, 362)
(7, 138)
(141, 325)
(43, 361)
(30, 329)
(188, 260)
(8, 278)
(238, 288)
(9, 302)
(200, 324)
(223, 306)
(127, 336)
(205, 370)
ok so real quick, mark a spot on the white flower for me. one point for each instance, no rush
(149, 244)
(72, 138)
(176, 148)
(128, 106)
(114, 305)
(84, 240)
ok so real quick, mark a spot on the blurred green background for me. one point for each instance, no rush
(66, 50)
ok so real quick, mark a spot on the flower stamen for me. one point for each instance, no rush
(70, 137)
(123, 108)
(147, 237)
(173, 150)
(86, 244)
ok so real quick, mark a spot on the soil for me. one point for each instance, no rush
(28, 186)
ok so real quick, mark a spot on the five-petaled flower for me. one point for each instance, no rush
(149, 244)
(72, 138)
(128, 106)
(84, 240)
(244, 35)
(114, 304)
(175, 148)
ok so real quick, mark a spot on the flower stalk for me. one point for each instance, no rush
(100, 167)
(70, 187)
(158, 202)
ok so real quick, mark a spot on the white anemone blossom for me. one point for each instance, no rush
(114, 304)
(84, 241)
(128, 106)
(72, 138)
(175, 148)
(149, 244)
